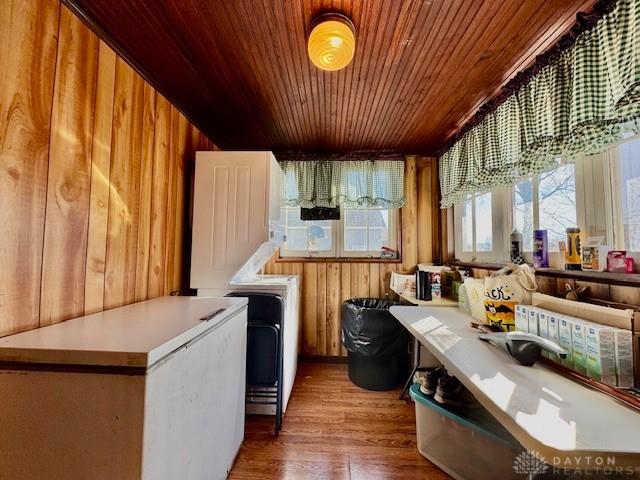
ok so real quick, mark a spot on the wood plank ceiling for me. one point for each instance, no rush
(239, 70)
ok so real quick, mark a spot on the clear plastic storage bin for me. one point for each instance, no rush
(471, 445)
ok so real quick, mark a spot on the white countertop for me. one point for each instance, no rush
(545, 411)
(136, 335)
(436, 302)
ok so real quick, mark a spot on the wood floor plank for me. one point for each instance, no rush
(335, 430)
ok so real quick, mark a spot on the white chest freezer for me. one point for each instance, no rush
(146, 391)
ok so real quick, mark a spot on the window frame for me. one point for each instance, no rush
(338, 253)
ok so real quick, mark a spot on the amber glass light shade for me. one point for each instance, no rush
(332, 42)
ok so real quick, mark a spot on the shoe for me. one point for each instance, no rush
(431, 379)
(450, 391)
(448, 388)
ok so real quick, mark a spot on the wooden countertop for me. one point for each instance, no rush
(136, 335)
(545, 411)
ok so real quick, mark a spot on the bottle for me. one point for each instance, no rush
(540, 249)
(516, 247)
(572, 257)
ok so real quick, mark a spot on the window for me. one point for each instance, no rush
(477, 224)
(557, 203)
(599, 193)
(477, 234)
(523, 219)
(484, 221)
(305, 238)
(624, 167)
(546, 202)
(360, 232)
(483, 228)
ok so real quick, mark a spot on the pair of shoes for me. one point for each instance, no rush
(431, 379)
(450, 391)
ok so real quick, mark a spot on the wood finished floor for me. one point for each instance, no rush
(335, 430)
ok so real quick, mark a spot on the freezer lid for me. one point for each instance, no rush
(136, 335)
(249, 271)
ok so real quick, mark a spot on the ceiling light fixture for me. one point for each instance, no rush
(332, 41)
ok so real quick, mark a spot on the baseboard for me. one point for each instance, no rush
(321, 359)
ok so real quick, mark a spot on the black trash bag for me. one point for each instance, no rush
(369, 329)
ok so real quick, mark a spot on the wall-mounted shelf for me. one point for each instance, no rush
(611, 278)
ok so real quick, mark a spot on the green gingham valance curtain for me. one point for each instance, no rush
(351, 183)
(584, 100)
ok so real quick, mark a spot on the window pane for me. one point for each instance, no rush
(319, 236)
(377, 238)
(557, 203)
(296, 239)
(630, 193)
(313, 236)
(484, 224)
(467, 226)
(293, 218)
(355, 218)
(379, 218)
(523, 212)
(356, 239)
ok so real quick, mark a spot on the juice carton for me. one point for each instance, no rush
(553, 323)
(543, 328)
(601, 353)
(533, 320)
(565, 339)
(579, 344)
(522, 318)
(624, 357)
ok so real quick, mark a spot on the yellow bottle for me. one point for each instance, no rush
(572, 257)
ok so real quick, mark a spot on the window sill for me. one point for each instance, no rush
(336, 260)
(622, 279)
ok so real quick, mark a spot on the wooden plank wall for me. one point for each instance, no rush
(94, 174)
(326, 284)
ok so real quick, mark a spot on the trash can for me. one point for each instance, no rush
(376, 343)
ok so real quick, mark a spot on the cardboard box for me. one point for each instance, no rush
(543, 328)
(565, 339)
(553, 321)
(533, 320)
(579, 345)
(522, 318)
(594, 254)
(623, 351)
(601, 353)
